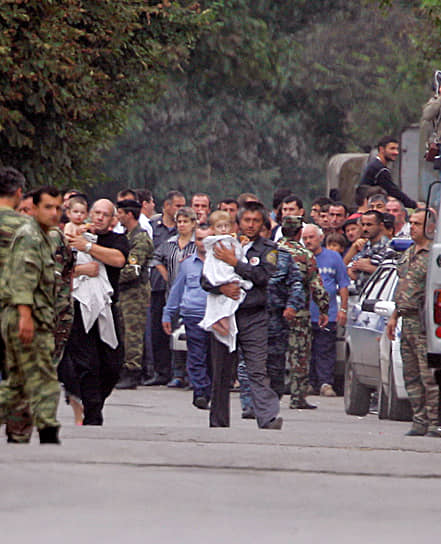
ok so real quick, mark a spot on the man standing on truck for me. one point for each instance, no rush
(377, 172)
(409, 302)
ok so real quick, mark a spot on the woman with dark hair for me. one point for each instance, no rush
(167, 258)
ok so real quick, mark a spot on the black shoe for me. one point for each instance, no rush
(129, 379)
(436, 433)
(156, 380)
(248, 413)
(417, 430)
(302, 405)
(275, 424)
(201, 403)
(49, 435)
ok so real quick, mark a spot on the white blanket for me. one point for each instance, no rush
(219, 273)
(95, 298)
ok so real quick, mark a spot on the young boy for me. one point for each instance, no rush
(336, 242)
(220, 310)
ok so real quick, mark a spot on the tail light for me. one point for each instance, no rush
(437, 306)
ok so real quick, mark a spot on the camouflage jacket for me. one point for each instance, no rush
(64, 266)
(135, 272)
(28, 276)
(10, 221)
(412, 270)
(312, 282)
(285, 287)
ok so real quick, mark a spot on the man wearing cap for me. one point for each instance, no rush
(134, 288)
(300, 332)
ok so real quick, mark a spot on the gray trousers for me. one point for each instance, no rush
(252, 338)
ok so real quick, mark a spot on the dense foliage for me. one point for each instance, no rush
(271, 93)
(70, 70)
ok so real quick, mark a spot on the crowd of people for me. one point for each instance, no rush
(90, 295)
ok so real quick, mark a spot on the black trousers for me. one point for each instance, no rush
(96, 365)
(160, 340)
(252, 338)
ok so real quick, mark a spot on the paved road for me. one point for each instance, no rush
(156, 473)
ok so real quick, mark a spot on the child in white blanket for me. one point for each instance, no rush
(220, 309)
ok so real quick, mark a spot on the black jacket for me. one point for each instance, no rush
(378, 174)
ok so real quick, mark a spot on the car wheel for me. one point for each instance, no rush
(357, 395)
(399, 409)
(383, 403)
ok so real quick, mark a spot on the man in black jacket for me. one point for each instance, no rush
(377, 173)
(251, 320)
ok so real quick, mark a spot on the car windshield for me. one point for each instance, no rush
(381, 285)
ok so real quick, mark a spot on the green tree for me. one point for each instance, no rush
(70, 70)
(274, 90)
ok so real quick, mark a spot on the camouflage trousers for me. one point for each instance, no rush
(31, 382)
(133, 304)
(299, 354)
(277, 346)
(418, 378)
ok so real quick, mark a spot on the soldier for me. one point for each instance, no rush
(28, 319)
(11, 186)
(299, 341)
(285, 298)
(64, 267)
(409, 301)
(134, 288)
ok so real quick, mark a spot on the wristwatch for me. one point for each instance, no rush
(88, 247)
(344, 310)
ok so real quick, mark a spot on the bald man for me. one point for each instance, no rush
(96, 363)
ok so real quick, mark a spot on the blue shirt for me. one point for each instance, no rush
(186, 294)
(332, 270)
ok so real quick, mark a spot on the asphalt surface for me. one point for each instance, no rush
(155, 472)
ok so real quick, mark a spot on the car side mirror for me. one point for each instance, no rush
(385, 308)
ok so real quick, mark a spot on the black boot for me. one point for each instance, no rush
(49, 435)
(129, 379)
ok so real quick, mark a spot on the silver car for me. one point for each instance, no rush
(373, 363)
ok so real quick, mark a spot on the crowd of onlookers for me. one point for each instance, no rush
(253, 288)
(359, 235)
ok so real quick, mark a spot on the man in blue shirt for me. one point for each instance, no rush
(324, 340)
(189, 299)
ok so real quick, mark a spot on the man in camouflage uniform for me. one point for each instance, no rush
(134, 287)
(19, 427)
(28, 319)
(285, 298)
(409, 300)
(300, 332)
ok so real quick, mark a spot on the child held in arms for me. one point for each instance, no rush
(77, 213)
(219, 314)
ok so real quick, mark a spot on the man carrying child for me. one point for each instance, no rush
(251, 321)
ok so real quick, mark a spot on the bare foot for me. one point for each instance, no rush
(220, 327)
(77, 410)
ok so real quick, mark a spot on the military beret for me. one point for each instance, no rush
(129, 204)
(291, 224)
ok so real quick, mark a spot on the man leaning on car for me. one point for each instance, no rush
(420, 384)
